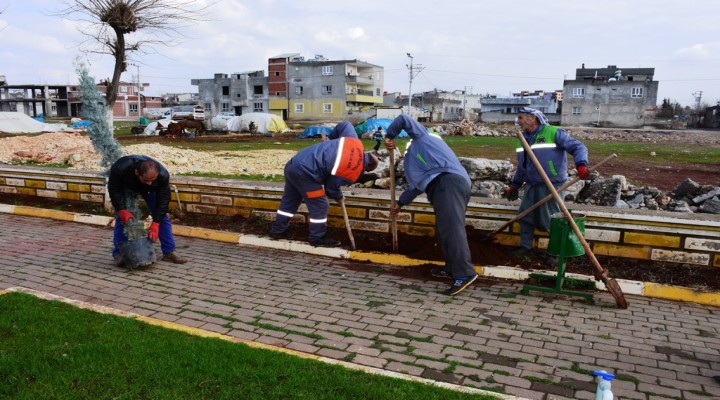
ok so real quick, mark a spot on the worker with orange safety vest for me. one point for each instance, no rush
(318, 172)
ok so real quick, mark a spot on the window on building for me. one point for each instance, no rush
(277, 73)
(327, 70)
(299, 90)
(133, 108)
(576, 110)
(327, 89)
(257, 89)
(299, 108)
(123, 89)
(327, 107)
(226, 90)
(636, 92)
(377, 92)
(207, 106)
(258, 107)
(277, 93)
(225, 107)
(578, 93)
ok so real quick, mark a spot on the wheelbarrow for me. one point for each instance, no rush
(140, 128)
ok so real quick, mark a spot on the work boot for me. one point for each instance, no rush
(118, 260)
(174, 258)
(325, 242)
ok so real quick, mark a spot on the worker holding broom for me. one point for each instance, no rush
(550, 145)
(431, 167)
(316, 173)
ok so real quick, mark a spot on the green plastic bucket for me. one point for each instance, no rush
(560, 227)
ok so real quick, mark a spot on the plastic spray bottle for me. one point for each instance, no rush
(603, 385)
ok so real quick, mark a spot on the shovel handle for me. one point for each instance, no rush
(548, 197)
(619, 298)
(393, 218)
(347, 225)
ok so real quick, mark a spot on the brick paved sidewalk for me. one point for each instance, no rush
(489, 336)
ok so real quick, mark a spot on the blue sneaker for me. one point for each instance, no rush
(460, 284)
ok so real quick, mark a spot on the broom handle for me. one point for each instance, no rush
(548, 197)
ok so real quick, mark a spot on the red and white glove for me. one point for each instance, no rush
(125, 216)
(583, 172)
(154, 231)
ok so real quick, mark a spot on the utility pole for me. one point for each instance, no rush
(698, 100)
(139, 103)
(413, 74)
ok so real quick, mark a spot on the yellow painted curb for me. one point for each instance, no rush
(44, 213)
(203, 233)
(207, 334)
(394, 259)
(680, 293)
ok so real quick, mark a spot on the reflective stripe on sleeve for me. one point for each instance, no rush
(338, 157)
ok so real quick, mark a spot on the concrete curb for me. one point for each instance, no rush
(645, 289)
(207, 334)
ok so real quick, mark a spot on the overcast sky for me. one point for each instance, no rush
(495, 47)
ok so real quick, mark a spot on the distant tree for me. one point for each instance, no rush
(120, 27)
(668, 109)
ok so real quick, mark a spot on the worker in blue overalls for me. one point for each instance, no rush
(316, 173)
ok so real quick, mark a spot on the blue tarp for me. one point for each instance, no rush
(81, 124)
(315, 131)
(371, 125)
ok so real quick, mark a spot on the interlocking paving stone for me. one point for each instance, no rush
(314, 304)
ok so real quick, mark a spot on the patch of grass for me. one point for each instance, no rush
(52, 349)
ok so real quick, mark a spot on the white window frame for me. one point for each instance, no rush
(133, 107)
(225, 107)
(327, 70)
(636, 92)
(258, 107)
(327, 108)
(578, 93)
(299, 108)
(299, 90)
(326, 89)
(576, 110)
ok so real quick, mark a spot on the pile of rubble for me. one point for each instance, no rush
(687, 197)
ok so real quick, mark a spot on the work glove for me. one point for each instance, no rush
(154, 231)
(583, 172)
(512, 193)
(125, 216)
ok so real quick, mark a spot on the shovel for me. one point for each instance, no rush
(544, 200)
(601, 274)
(347, 225)
(393, 218)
